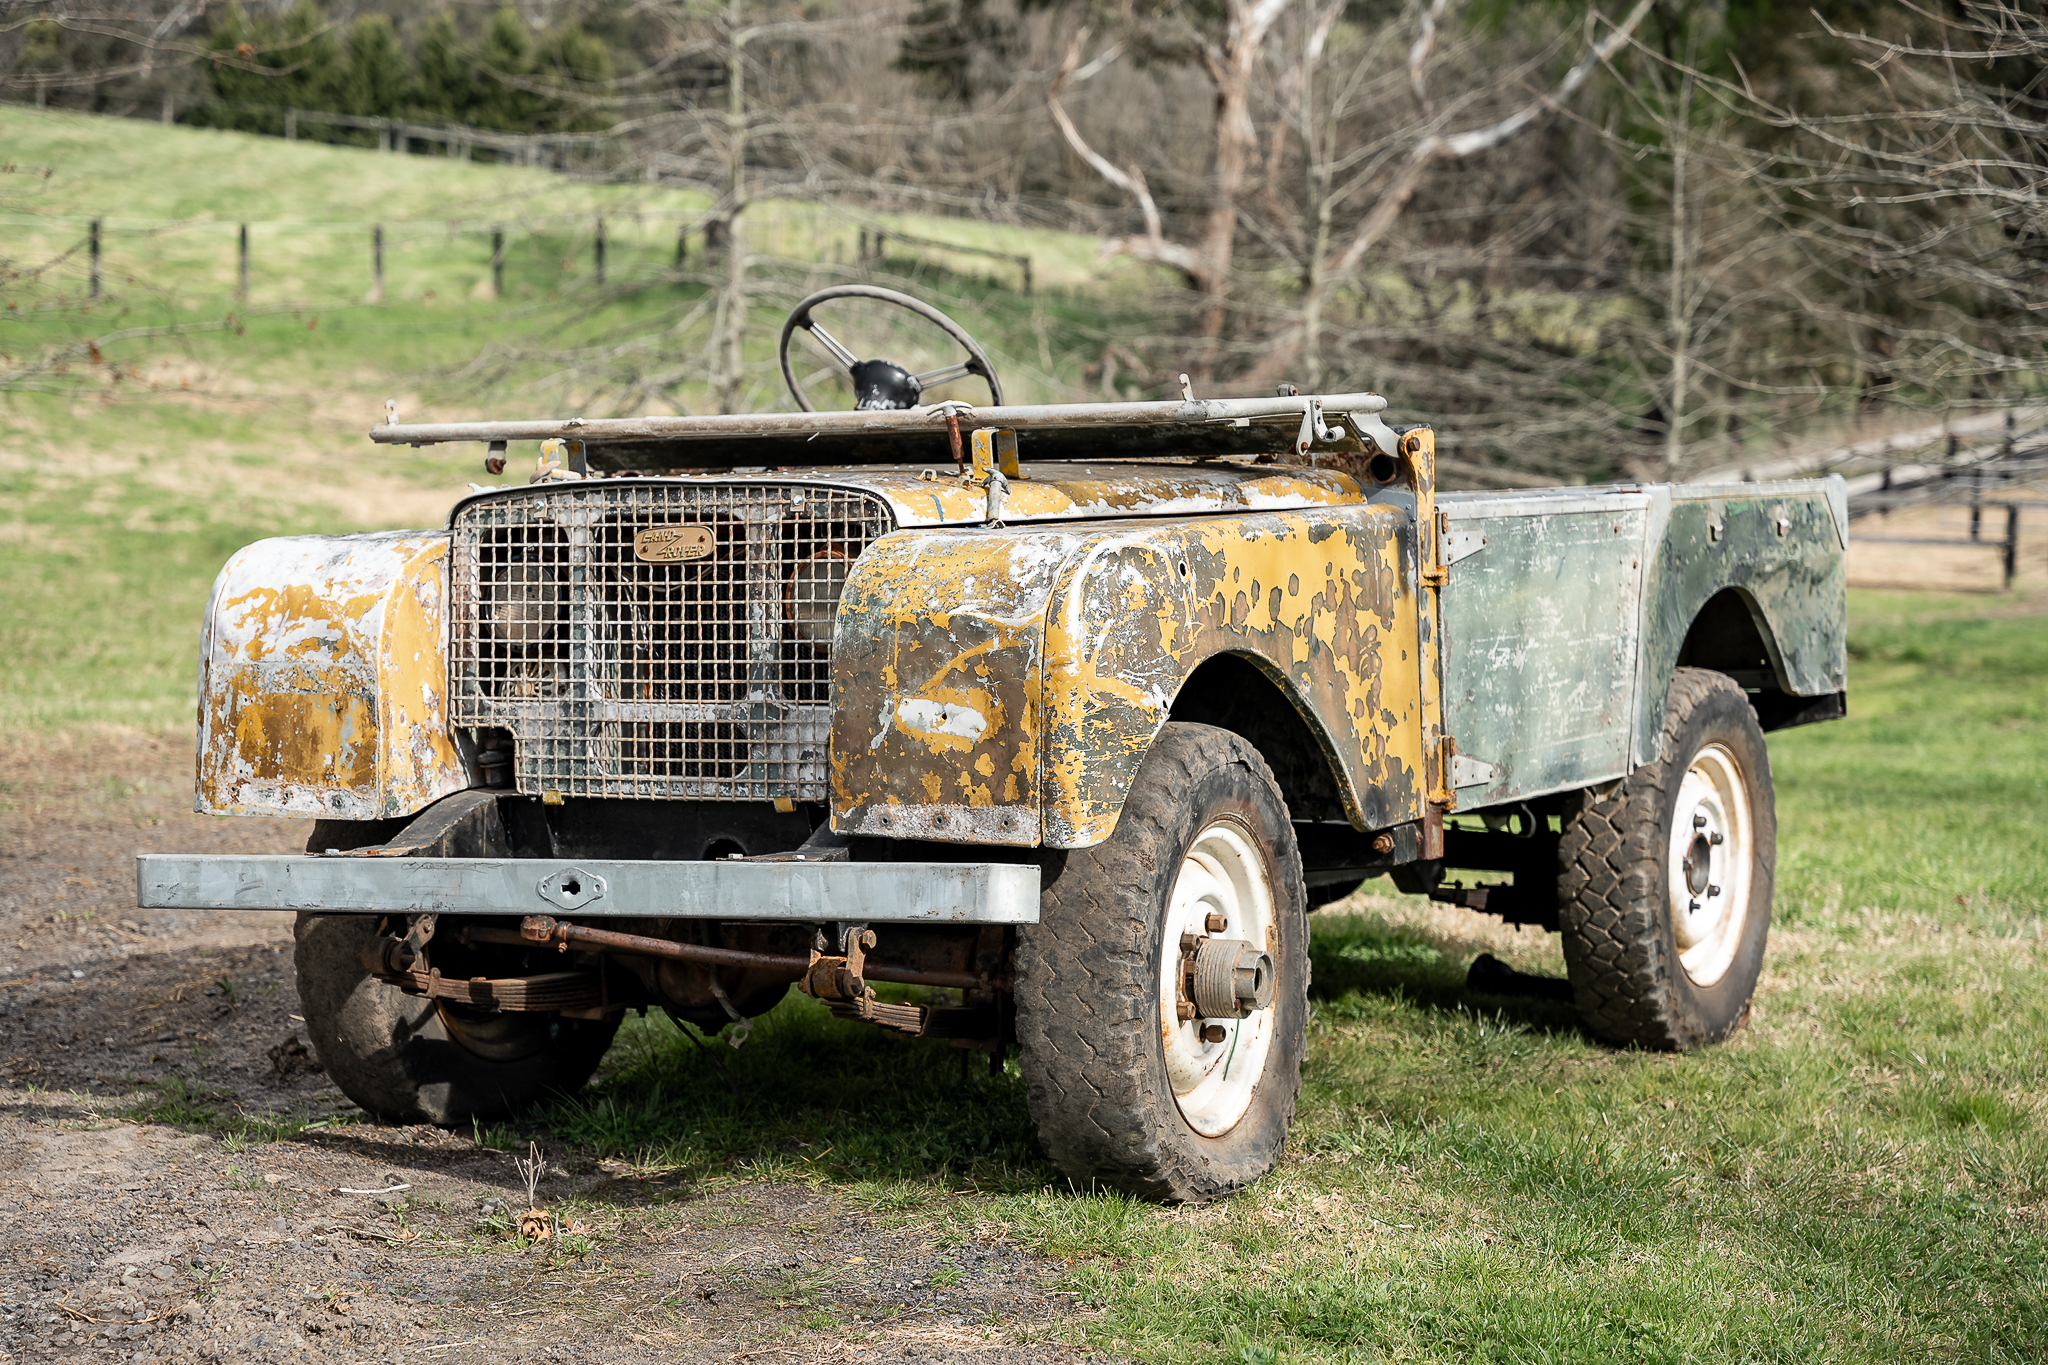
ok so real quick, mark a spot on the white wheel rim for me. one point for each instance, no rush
(1224, 873)
(1712, 851)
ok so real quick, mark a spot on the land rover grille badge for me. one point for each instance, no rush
(674, 544)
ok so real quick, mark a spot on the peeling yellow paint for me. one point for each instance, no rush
(323, 678)
(1080, 637)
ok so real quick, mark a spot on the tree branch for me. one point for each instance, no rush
(1153, 246)
(1436, 147)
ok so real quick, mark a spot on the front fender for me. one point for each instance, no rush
(1003, 685)
(323, 679)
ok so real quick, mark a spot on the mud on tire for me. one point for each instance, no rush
(1664, 888)
(1101, 1065)
(407, 1060)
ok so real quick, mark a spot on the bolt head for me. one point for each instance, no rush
(1214, 922)
(1214, 1033)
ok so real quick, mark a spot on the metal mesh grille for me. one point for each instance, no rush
(656, 639)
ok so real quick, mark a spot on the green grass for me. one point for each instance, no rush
(1860, 1175)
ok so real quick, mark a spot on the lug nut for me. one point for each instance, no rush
(1214, 1033)
(1699, 822)
(1713, 891)
(1716, 839)
(1692, 905)
(1214, 922)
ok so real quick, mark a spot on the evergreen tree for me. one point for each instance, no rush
(580, 65)
(267, 64)
(446, 87)
(376, 76)
(505, 67)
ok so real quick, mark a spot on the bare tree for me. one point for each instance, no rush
(1229, 56)
(1917, 195)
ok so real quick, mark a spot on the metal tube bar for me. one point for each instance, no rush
(95, 238)
(643, 946)
(725, 426)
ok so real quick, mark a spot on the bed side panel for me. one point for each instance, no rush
(1542, 623)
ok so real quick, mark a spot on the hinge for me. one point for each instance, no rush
(1437, 571)
(1443, 795)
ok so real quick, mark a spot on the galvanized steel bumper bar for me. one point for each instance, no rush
(918, 893)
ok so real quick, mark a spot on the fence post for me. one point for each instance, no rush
(1027, 277)
(2012, 541)
(498, 263)
(94, 236)
(597, 251)
(377, 263)
(682, 244)
(291, 125)
(2005, 450)
(242, 264)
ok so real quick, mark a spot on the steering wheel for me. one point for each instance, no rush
(882, 385)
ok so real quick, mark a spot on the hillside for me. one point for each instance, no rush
(128, 476)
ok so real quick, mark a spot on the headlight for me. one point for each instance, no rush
(811, 594)
(522, 601)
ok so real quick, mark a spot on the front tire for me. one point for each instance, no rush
(1125, 1091)
(1664, 892)
(411, 1060)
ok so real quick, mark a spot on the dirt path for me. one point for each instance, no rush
(161, 1240)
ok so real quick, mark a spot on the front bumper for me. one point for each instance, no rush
(915, 893)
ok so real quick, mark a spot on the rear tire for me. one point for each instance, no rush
(411, 1060)
(1126, 1093)
(1664, 890)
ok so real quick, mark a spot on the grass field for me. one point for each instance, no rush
(1860, 1175)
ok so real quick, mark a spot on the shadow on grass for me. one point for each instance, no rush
(810, 1097)
(1364, 955)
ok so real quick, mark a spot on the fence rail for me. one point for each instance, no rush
(873, 242)
(1979, 477)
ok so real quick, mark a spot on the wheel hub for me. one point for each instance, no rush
(1217, 977)
(1711, 853)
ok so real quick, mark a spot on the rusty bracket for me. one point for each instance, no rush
(841, 976)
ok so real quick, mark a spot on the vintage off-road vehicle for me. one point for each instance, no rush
(1071, 713)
